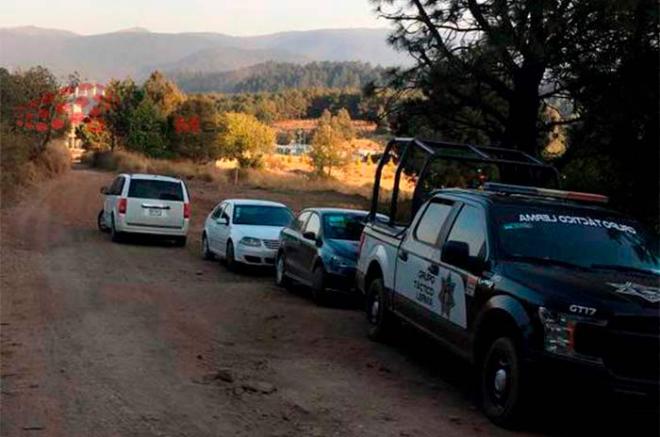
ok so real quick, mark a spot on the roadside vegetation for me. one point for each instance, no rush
(123, 161)
(30, 145)
(279, 173)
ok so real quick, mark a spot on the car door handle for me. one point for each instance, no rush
(434, 269)
(403, 255)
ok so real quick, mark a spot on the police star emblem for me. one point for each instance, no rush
(446, 295)
(651, 294)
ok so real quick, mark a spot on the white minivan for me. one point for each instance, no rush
(146, 204)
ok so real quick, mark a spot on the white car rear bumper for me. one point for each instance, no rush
(122, 226)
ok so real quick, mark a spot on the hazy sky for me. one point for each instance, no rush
(235, 17)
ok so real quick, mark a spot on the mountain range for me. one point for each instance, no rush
(136, 52)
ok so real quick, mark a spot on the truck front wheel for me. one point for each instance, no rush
(378, 316)
(502, 385)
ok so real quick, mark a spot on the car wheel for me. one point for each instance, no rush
(115, 235)
(101, 223)
(230, 257)
(319, 293)
(180, 241)
(502, 388)
(281, 279)
(378, 316)
(206, 251)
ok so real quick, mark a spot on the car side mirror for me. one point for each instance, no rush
(309, 236)
(457, 253)
(104, 190)
(222, 221)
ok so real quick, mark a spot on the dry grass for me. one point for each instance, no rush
(361, 126)
(277, 181)
(54, 161)
(128, 162)
(355, 177)
(19, 173)
(283, 174)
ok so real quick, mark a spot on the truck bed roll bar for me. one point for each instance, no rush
(436, 164)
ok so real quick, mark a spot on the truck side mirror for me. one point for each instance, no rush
(457, 253)
(309, 236)
(104, 190)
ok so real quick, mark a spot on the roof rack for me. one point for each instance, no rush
(544, 192)
(490, 153)
(417, 159)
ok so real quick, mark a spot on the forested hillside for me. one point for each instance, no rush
(274, 76)
(301, 103)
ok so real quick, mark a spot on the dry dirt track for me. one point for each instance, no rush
(140, 339)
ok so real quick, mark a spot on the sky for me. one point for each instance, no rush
(234, 17)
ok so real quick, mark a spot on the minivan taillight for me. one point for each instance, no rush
(186, 210)
(123, 204)
(362, 238)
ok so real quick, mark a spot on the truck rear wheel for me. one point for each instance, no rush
(502, 386)
(378, 316)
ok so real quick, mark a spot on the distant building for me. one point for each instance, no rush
(292, 149)
(79, 103)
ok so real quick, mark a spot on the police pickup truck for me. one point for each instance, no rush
(517, 280)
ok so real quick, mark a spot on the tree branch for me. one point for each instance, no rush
(563, 122)
(498, 86)
(475, 10)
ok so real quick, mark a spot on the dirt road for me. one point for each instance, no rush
(142, 339)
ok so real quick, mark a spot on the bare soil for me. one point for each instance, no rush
(145, 339)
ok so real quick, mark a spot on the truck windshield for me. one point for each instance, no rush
(343, 226)
(576, 237)
(262, 215)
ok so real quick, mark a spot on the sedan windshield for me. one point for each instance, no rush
(343, 226)
(262, 215)
(576, 237)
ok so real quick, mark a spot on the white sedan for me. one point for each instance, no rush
(245, 231)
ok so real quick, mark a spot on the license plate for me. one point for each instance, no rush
(155, 212)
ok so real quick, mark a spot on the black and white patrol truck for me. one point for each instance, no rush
(519, 281)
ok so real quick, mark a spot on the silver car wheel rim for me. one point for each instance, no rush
(280, 269)
(375, 308)
(500, 382)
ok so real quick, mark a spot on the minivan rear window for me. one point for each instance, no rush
(153, 189)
